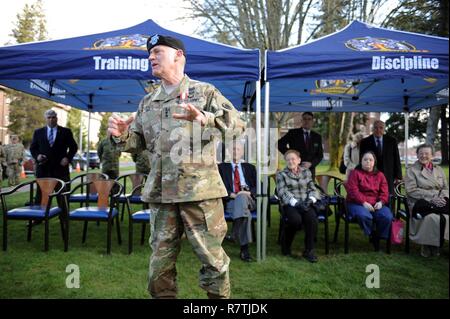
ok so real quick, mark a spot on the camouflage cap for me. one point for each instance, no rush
(158, 39)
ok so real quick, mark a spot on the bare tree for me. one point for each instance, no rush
(264, 24)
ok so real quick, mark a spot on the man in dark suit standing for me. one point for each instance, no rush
(53, 148)
(386, 151)
(305, 141)
(240, 181)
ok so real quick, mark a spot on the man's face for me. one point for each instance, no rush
(52, 121)
(307, 122)
(378, 129)
(238, 152)
(162, 60)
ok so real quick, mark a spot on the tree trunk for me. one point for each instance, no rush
(432, 124)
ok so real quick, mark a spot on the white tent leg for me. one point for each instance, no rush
(258, 170)
(88, 142)
(406, 138)
(266, 166)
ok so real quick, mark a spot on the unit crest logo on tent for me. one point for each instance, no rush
(126, 42)
(335, 87)
(380, 45)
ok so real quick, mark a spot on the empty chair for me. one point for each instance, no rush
(140, 217)
(39, 212)
(88, 192)
(131, 181)
(105, 210)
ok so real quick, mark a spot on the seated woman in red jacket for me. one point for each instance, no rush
(367, 197)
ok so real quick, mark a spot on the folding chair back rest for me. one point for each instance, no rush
(136, 180)
(47, 186)
(92, 177)
(323, 180)
(103, 188)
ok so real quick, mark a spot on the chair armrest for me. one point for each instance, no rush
(116, 195)
(134, 190)
(75, 188)
(15, 188)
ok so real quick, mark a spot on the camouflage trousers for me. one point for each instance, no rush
(205, 228)
(13, 172)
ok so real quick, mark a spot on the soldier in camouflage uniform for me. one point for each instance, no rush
(183, 196)
(109, 155)
(142, 162)
(14, 157)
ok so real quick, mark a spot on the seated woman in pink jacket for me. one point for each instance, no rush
(367, 197)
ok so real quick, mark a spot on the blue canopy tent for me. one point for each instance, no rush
(110, 71)
(360, 68)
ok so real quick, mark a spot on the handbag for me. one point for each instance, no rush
(342, 167)
(397, 230)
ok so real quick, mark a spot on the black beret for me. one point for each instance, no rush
(158, 39)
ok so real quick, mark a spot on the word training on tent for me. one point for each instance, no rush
(119, 63)
(402, 63)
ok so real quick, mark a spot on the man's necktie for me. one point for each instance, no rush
(379, 150)
(51, 138)
(237, 180)
(307, 139)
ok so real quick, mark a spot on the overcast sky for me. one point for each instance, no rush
(71, 18)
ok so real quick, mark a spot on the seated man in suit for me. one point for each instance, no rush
(240, 181)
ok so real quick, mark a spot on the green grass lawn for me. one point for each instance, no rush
(28, 272)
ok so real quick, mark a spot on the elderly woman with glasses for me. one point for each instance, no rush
(298, 194)
(427, 191)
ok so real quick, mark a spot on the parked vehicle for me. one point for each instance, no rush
(94, 160)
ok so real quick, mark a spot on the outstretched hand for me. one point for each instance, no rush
(191, 114)
(118, 125)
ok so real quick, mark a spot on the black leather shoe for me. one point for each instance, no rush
(310, 256)
(245, 256)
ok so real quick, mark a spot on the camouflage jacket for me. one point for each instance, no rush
(109, 155)
(193, 175)
(142, 161)
(14, 153)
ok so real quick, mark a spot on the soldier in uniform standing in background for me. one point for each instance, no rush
(109, 155)
(183, 196)
(14, 156)
(2, 163)
(142, 162)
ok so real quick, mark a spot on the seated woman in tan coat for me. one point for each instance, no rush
(427, 190)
